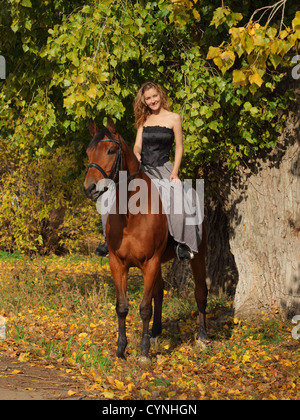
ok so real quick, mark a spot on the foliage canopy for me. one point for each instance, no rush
(69, 61)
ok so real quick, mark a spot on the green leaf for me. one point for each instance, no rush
(26, 3)
(213, 125)
(275, 60)
(219, 16)
(15, 25)
(247, 106)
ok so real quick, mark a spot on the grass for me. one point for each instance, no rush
(62, 310)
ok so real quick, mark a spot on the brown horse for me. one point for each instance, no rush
(137, 240)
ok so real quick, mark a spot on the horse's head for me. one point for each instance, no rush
(105, 158)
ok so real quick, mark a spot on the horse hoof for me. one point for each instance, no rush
(144, 360)
(202, 340)
(154, 342)
(121, 356)
(202, 344)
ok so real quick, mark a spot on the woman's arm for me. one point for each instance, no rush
(137, 149)
(178, 148)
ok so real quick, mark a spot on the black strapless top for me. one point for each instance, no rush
(157, 144)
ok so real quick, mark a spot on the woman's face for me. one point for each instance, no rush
(152, 99)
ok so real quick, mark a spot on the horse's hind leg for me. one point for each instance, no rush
(119, 273)
(158, 294)
(151, 272)
(199, 273)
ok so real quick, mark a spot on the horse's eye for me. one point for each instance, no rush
(111, 151)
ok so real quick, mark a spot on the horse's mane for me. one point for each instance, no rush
(104, 132)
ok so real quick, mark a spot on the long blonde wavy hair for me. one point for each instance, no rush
(141, 110)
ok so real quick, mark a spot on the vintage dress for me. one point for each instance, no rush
(180, 202)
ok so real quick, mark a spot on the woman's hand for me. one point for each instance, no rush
(138, 156)
(174, 178)
(137, 149)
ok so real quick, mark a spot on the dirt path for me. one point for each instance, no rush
(24, 381)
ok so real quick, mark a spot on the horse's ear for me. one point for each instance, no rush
(111, 126)
(93, 127)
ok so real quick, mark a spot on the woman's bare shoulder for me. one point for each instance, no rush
(174, 117)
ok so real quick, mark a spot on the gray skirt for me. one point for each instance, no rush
(182, 205)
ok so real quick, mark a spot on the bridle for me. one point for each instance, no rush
(117, 166)
(118, 163)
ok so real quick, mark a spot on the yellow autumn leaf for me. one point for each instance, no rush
(255, 78)
(234, 391)
(110, 379)
(108, 394)
(92, 92)
(70, 393)
(119, 385)
(130, 386)
(238, 76)
(246, 357)
(145, 394)
(296, 21)
(80, 97)
(24, 357)
(213, 52)
(17, 372)
(228, 55)
(125, 397)
(69, 101)
(79, 79)
(196, 14)
(82, 336)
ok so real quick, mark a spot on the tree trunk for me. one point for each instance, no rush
(253, 227)
(265, 231)
(262, 207)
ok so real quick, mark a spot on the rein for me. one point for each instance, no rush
(117, 166)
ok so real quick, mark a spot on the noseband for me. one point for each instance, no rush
(117, 166)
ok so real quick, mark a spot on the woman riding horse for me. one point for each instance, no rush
(141, 239)
(157, 128)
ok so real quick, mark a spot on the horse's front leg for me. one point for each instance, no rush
(119, 273)
(151, 272)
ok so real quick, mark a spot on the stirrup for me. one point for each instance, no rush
(102, 250)
(184, 252)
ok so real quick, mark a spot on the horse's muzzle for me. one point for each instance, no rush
(91, 192)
